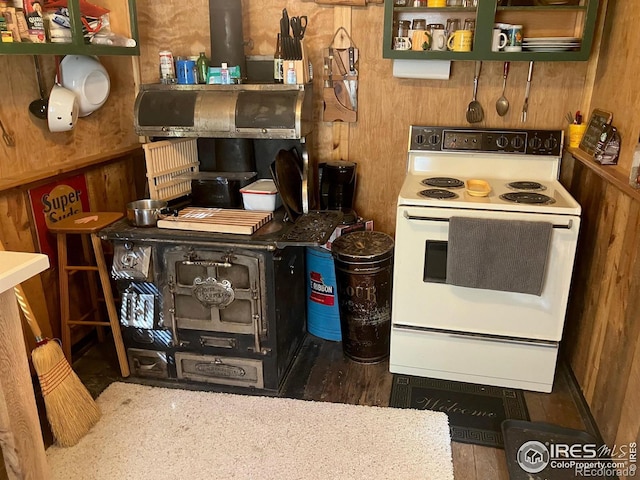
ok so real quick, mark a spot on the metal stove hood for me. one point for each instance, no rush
(267, 111)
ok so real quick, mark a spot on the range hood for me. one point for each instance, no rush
(267, 111)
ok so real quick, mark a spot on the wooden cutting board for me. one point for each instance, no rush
(218, 220)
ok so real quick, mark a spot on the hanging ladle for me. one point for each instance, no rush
(38, 107)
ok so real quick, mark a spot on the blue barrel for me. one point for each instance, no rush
(323, 315)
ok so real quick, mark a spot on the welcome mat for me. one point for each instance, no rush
(475, 412)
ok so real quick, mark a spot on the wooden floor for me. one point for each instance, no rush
(332, 377)
(322, 373)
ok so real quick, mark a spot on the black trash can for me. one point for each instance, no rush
(363, 264)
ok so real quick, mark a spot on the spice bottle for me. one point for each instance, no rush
(278, 62)
(634, 176)
(202, 67)
(291, 74)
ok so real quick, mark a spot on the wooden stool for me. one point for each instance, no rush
(88, 224)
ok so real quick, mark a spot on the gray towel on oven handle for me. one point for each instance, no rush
(507, 255)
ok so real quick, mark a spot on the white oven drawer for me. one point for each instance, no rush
(473, 359)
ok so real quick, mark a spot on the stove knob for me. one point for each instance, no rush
(419, 139)
(502, 142)
(535, 143)
(517, 143)
(551, 143)
(434, 139)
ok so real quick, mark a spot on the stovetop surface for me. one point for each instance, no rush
(563, 202)
(497, 157)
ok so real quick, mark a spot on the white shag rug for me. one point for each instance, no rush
(159, 433)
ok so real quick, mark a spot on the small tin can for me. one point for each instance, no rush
(167, 68)
(186, 71)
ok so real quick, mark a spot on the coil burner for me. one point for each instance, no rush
(438, 194)
(527, 197)
(527, 185)
(443, 182)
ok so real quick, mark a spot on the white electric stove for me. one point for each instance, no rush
(479, 335)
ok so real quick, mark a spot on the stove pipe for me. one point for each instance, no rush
(225, 26)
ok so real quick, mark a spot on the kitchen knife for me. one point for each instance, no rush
(286, 38)
(353, 83)
(352, 61)
(525, 106)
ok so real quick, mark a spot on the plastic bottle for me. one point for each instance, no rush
(278, 63)
(291, 74)
(634, 176)
(224, 74)
(202, 65)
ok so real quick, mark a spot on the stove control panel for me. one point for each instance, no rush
(527, 142)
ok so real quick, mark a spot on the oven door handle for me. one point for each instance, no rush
(408, 216)
(476, 336)
(207, 263)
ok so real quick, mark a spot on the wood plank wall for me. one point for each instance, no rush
(38, 152)
(602, 340)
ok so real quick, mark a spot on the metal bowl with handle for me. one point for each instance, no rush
(146, 213)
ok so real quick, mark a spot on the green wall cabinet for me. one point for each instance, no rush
(123, 20)
(554, 20)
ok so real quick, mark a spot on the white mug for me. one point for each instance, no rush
(401, 43)
(439, 40)
(499, 40)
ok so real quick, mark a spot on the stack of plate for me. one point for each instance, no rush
(550, 44)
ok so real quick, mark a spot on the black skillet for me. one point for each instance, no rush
(287, 176)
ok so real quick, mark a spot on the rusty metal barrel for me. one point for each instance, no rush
(363, 265)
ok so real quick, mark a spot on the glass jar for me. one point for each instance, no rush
(419, 24)
(402, 28)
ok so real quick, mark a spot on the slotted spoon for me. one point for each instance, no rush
(475, 113)
(502, 104)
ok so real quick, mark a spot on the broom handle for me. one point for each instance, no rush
(28, 313)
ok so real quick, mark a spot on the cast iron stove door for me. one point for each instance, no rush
(214, 292)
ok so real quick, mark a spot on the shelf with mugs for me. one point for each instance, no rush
(550, 31)
(123, 24)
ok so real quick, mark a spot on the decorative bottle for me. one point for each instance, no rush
(202, 65)
(278, 63)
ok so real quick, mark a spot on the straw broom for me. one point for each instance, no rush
(71, 410)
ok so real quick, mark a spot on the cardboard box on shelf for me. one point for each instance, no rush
(11, 17)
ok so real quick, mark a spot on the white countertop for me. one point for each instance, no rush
(16, 267)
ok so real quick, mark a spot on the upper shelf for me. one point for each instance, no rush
(123, 19)
(538, 20)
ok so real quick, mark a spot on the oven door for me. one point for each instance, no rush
(213, 291)
(422, 299)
